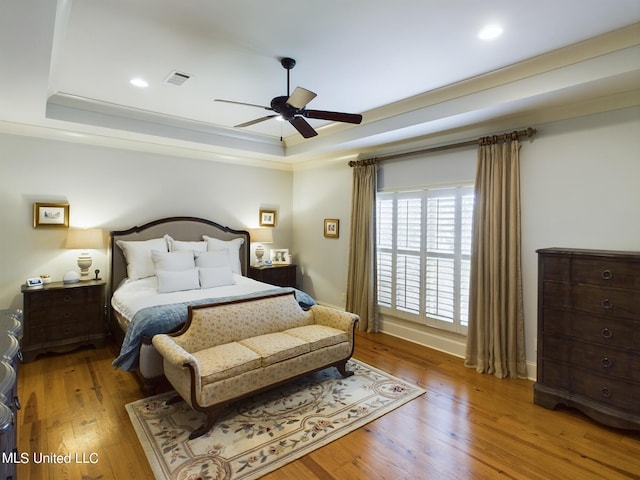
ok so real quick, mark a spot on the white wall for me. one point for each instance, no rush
(116, 189)
(580, 187)
(319, 193)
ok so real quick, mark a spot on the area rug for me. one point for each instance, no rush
(263, 433)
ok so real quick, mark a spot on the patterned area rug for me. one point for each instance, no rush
(263, 433)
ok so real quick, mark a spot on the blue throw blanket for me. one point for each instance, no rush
(164, 318)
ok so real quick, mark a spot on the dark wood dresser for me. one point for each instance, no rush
(589, 334)
(59, 317)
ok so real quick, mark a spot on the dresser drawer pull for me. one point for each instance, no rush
(67, 298)
(607, 274)
(606, 333)
(606, 304)
(606, 362)
(606, 393)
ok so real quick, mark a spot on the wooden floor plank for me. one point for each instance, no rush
(467, 425)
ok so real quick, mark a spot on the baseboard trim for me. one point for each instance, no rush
(441, 341)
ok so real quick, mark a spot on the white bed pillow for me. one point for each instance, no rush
(178, 281)
(231, 246)
(219, 258)
(137, 253)
(173, 261)
(216, 276)
(179, 245)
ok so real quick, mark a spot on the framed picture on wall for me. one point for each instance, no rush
(54, 215)
(267, 218)
(331, 227)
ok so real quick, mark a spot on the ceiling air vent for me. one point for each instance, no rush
(177, 78)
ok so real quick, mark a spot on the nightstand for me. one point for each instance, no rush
(60, 317)
(280, 275)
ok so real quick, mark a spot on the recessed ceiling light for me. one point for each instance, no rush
(139, 82)
(490, 32)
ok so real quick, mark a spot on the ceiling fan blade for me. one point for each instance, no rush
(300, 97)
(253, 122)
(303, 127)
(242, 103)
(333, 116)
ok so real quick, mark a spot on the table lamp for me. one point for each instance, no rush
(84, 239)
(260, 236)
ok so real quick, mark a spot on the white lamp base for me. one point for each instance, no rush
(84, 262)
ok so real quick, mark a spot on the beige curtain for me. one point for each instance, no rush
(495, 341)
(361, 278)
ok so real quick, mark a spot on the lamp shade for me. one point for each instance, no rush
(261, 235)
(85, 238)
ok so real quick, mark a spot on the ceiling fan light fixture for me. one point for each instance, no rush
(291, 108)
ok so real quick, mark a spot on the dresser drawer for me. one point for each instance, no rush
(606, 361)
(609, 331)
(607, 390)
(67, 331)
(70, 296)
(606, 301)
(606, 273)
(85, 314)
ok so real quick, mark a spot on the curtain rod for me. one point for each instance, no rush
(529, 132)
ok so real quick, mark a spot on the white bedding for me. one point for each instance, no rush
(134, 295)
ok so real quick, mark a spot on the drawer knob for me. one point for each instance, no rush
(606, 362)
(606, 333)
(67, 298)
(606, 393)
(607, 274)
(607, 304)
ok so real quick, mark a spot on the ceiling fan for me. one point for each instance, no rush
(291, 107)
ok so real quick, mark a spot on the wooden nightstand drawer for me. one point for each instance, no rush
(280, 275)
(71, 296)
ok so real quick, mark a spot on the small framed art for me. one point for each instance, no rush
(279, 256)
(51, 215)
(331, 227)
(267, 218)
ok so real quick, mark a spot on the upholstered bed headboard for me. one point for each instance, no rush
(180, 228)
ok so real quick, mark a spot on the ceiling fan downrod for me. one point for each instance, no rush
(288, 64)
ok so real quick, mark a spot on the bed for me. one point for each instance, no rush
(152, 295)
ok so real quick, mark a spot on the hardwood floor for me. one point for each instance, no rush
(467, 426)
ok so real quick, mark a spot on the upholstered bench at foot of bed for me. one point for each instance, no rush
(287, 342)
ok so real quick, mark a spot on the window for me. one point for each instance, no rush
(423, 255)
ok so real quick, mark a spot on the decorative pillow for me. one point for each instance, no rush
(219, 258)
(138, 256)
(179, 245)
(173, 261)
(232, 247)
(178, 281)
(216, 276)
